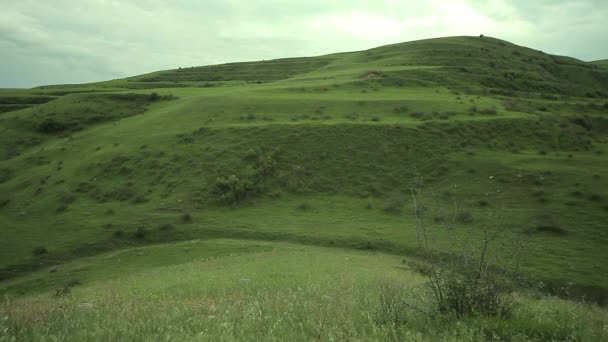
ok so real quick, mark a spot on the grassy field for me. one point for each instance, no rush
(254, 290)
(318, 151)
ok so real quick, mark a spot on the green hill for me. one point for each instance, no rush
(601, 63)
(316, 151)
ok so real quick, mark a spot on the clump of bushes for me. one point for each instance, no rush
(235, 188)
(185, 218)
(417, 115)
(51, 126)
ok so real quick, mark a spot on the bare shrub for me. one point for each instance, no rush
(468, 280)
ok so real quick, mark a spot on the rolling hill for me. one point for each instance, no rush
(316, 153)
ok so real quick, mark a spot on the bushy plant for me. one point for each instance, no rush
(393, 205)
(40, 250)
(467, 281)
(233, 189)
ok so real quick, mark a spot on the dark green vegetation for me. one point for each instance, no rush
(602, 64)
(319, 151)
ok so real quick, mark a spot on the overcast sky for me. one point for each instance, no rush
(75, 41)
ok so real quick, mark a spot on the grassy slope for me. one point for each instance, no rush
(254, 290)
(344, 133)
(601, 63)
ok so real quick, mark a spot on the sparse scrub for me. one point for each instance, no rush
(466, 283)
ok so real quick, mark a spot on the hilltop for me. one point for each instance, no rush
(316, 151)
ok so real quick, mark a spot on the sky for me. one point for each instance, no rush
(77, 41)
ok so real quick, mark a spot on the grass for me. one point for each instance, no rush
(244, 290)
(317, 151)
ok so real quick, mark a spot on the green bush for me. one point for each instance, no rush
(141, 233)
(233, 189)
(165, 227)
(464, 217)
(393, 205)
(51, 126)
(185, 218)
(40, 250)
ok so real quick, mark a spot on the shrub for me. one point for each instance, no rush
(233, 189)
(464, 283)
(375, 119)
(595, 198)
(489, 111)
(483, 203)
(165, 227)
(141, 233)
(417, 115)
(185, 218)
(139, 199)
(6, 174)
(40, 250)
(51, 126)
(402, 109)
(303, 206)
(464, 217)
(393, 205)
(553, 229)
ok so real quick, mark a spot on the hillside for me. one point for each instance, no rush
(316, 151)
(601, 63)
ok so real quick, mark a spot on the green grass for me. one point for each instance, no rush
(254, 290)
(319, 151)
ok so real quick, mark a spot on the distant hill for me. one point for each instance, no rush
(602, 63)
(470, 64)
